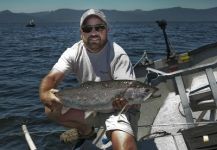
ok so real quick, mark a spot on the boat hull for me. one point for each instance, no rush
(168, 118)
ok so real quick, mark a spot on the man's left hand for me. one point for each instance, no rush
(119, 103)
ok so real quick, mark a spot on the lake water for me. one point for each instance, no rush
(27, 55)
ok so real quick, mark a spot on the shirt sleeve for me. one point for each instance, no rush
(123, 69)
(64, 64)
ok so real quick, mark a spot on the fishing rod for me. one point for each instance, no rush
(170, 53)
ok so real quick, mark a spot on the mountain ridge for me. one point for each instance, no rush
(72, 15)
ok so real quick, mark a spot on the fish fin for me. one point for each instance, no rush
(156, 94)
(64, 109)
(87, 114)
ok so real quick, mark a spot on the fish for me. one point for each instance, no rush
(99, 96)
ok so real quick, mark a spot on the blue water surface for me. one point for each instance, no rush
(27, 55)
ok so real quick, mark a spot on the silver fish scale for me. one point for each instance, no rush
(112, 84)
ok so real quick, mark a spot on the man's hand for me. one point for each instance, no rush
(50, 100)
(119, 103)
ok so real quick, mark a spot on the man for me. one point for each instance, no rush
(94, 58)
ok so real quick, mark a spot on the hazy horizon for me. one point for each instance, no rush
(102, 9)
(30, 6)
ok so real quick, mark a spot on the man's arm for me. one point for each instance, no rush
(46, 92)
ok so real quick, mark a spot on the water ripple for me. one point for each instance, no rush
(27, 54)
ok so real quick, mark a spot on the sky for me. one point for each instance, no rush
(50, 5)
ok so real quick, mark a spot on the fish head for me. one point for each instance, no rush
(140, 93)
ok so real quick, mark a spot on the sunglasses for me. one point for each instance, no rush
(97, 27)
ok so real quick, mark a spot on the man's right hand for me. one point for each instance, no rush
(50, 100)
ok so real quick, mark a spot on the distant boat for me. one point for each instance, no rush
(30, 23)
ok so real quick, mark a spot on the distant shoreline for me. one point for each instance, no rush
(105, 9)
(175, 14)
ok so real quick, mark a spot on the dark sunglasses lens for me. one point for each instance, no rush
(87, 29)
(100, 27)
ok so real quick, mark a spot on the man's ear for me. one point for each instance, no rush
(81, 36)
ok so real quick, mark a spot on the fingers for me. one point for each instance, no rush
(119, 103)
(64, 110)
(48, 106)
(53, 92)
(53, 106)
(52, 101)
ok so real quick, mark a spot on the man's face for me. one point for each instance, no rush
(94, 33)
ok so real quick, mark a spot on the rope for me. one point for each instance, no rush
(143, 56)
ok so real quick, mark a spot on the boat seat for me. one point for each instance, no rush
(201, 99)
(201, 137)
(205, 98)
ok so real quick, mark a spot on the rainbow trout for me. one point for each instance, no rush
(98, 96)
